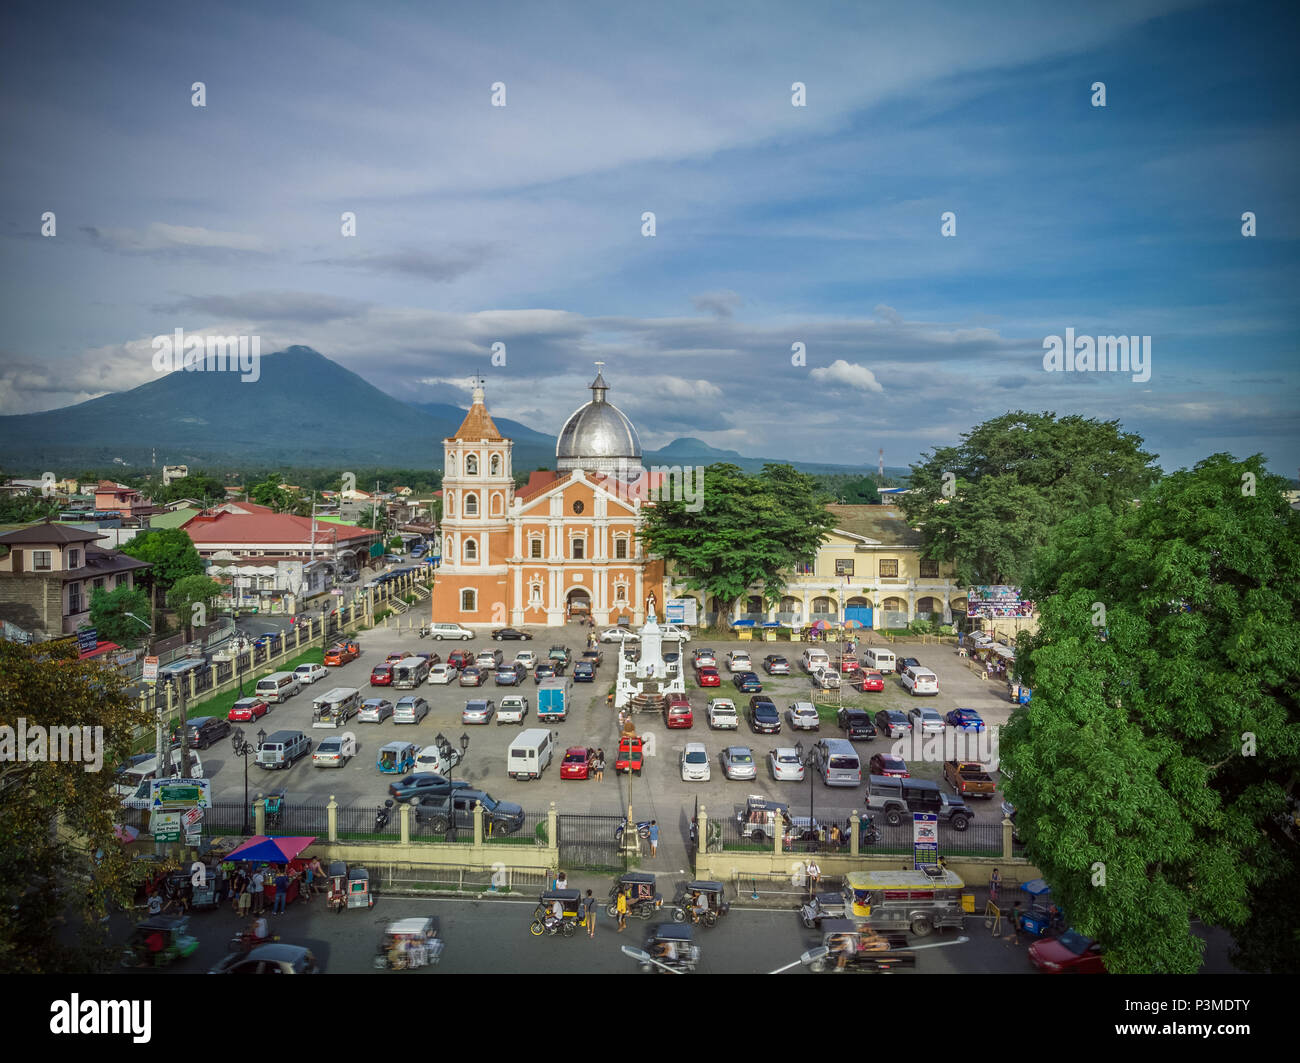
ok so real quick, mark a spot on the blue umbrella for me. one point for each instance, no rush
(742, 623)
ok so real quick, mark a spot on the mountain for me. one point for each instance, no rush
(304, 411)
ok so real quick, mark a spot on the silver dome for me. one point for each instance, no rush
(599, 438)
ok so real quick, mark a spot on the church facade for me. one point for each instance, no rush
(564, 545)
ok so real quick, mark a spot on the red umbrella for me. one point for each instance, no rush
(820, 625)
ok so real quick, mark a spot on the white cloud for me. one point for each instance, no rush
(161, 237)
(848, 374)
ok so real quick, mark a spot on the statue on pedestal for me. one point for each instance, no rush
(650, 604)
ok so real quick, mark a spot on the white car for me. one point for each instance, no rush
(722, 715)
(825, 678)
(513, 709)
(671, 632)
(443, 673)
(619, 634)
(309, 673)
(375, 710)
(784, 764)
(695, 763)
(439, 759)
(705, 659)
(927, 721)
(802, 716)
(738, 763)
(738, 661)
(527, 658)
(449, 631)
(330, 753)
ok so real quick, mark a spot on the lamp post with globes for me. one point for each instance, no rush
(244, 749)
(808, 762)
(451, 797)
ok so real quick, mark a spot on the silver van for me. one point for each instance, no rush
(278, 686)
(530, 753)
(838, 762)
(282, 749)
(881, 660)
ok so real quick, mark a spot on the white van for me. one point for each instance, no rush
(278, 686)
(881, 660)
(920, 681)
(812, 659)
(530, 753)
(127, 784)
(335, 707)
(410, 672)
(838, 762)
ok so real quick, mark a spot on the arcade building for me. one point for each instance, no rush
(563, 546)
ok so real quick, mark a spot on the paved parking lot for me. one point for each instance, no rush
(660, 793)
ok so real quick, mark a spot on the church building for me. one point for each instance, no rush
(563, 545)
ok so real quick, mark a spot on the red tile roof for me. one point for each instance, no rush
(478, 424)
(266, 527)
(538, 480)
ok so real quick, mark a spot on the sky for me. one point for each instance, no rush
(774, 224)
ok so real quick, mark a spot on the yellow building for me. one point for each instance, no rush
(868, 568)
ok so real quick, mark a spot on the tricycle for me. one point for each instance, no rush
(558, 912)
(158, 940)
(822, 906)
(671, 945)
(409, 943)
(1042, 916)
(700, 902)
(642, 900)
(854, 947)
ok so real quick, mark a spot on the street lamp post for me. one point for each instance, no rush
(244, 749)
(809, 770)
(157, 707)
(451, 797)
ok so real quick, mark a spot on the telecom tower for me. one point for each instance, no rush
(880, 469)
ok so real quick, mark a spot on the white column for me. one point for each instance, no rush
(638, 605)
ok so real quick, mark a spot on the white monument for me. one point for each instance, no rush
(645, 682)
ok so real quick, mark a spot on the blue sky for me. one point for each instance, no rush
(775, 224)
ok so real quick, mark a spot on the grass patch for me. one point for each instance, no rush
(827, 713)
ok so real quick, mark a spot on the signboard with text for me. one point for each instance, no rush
(180, 794)
(682, 611)
(165, 826)
(150, 670)
(925, 839)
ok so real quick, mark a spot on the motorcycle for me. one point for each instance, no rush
(382, 814)
(642, 829)
(423, 632)
(868, 834)
(244, 941)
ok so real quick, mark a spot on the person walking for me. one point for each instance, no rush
(245, 896)
(259, 891)
(1015, 924)
(598, 765)
(814, 878)
(238, 887)
(589, 908)
(281, 893)
(654, 837)
(561, 882)
(995, 881)
(621, 906)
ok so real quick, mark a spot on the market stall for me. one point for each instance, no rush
(267, 853)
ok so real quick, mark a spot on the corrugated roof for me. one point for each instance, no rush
(265, 528)
(49, 533)
(538, 480)
(884, 523)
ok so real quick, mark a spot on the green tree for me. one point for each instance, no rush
(191, 591)
(989, 503)
(1154, 773)
(270, 493)
(24, 509)
(170, 552)
(61, 867)
(749, 529)
(108, 617)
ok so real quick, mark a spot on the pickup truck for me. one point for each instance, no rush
(558, 653)
(969, 779)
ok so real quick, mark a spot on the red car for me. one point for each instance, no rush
(393, 658)
(342, 653)
(708, 677)
(1071, 953)
(575, 764)
(460, 659)
(381, 675)
(678, 713)
(848, 664)
(248, 709)
(872, 680)
(888, 764)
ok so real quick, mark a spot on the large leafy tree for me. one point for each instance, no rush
(270, 493)
(191, 591)
(23, 509)
(748, 530)
(1154, 773)
(60, 862)
(988, 503)
(170, 552)
(108, 614)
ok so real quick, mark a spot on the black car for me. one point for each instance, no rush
(584, 672)
(204, 730)
(763, 717)
(503, 634)
(893, 724)
(499, 817)
(545, 670)
(775, 664)
(747, 682)
(423, 783)
(906, 662)
(856, 724)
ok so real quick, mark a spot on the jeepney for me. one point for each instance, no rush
(920, 901)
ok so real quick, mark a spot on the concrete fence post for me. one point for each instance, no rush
(478, 824)
(404, 823)
(854, 821)
(332, 810)
(552, 825)
(259, 814)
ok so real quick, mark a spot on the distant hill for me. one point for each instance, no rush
(304, 411)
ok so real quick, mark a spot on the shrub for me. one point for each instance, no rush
(920, 627)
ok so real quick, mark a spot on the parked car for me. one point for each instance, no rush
(584, 672)
(478, 710)
(785, 765)
(722, 715)
(869, 681)
(675, 633)
(246, 709)
(708, 677)
(375, 710)
(763, 717)
(450, 631)
(747, 683)
(473, 676)
(513, 709)
(705, 659)
(888, 764)
(393, 658)
(906, 662)
(204, 730)
(1071, 953)
(927, 721)
(695, 763)
(575, 764)
(738, 763)
(738, 661)
(442, 674)
(422, 783)
(965, 720)
(847, 664)
(825, 678)
(436, 812)
(309, 673)
(775, 664)
(504, 634)
(489, 660)
(381, 675)
(619, 634)
(545, 670)
(893, 724)
(856, 724)
(460, 659)
(410, 709)
(509, 675)
(802, 716)
(672, 663)
(339, 655)
(329, 753)
(678, 715)
(527, 658)
(596, 657)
